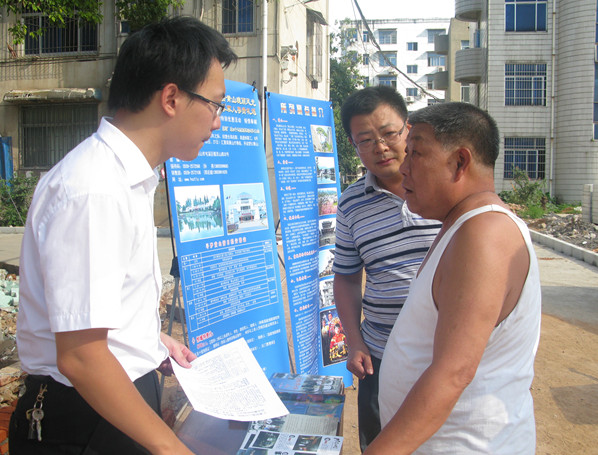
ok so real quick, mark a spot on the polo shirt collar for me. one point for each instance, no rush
(371, 184)
(136, 166)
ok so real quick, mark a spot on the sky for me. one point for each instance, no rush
(391, 9)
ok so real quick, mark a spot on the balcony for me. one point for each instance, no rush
(469, 65)
(468, 10)
(441, 44)
(441, 80)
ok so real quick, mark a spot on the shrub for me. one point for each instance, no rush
(15, 198)
(529, 194)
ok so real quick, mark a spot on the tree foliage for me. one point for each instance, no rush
(142, 12)
(58, 13)
(344, 80)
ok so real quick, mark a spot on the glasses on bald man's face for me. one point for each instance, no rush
(390, 138)
(219, 106)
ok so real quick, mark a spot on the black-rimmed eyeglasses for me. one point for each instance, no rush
(390, 138)
(219, 107)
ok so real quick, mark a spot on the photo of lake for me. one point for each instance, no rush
(199, 212)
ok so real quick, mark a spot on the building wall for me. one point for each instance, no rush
(27, 73)
(576, 158)
(458, 32)
(508, 47)
(567, 48)
(286, 72)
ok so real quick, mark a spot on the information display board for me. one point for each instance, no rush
(308, 188)
(225, 238)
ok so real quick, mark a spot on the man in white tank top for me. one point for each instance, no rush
(458, 365)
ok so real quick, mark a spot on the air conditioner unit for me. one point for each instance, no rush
(409, 99)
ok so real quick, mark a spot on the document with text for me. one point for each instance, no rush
(228, 383)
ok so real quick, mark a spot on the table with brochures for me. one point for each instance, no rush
(313, 425)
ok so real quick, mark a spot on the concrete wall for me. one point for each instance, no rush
(576, 153)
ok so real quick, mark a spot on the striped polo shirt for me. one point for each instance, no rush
(375, 230)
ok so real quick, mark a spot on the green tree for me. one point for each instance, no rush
(141, 12)
(344, 80)
(59, 12)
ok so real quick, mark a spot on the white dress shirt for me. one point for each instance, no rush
(89, 257)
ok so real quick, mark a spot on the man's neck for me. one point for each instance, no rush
(394, 186)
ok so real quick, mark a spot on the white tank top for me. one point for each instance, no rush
(495, 413)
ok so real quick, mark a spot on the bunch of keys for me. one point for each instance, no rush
(36, 415)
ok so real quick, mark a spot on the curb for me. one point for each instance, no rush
(567, 249)
(12, 230)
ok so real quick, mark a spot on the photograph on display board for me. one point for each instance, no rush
(327, 201)
(326, 293)
(321, 136)
(245, 208)
(327, 231)
(334, 347)
(325, 261)
(325, 170)
(199, 212)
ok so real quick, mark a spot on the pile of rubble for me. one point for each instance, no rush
(10, 371)
(568, 227)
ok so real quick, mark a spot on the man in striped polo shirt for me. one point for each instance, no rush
(377, 233)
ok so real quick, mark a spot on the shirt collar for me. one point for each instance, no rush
(136, 166)
(371, 184)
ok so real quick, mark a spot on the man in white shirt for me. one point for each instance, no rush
(88, 330)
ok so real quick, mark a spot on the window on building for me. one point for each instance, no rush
(525, 15)
(464, 44)
(50, 131)
(432, 101)
(387, 59)
(238, 16)
(366, 36)
(431, 82)
(412, 91)
(388, 80)
(77, 36)
(412, 69)
(315, 42)
(465, 93)
(366, 59)
(412, 46)
(432, 32)
(436, 59)
(526, 153)
(387, 36)
(525, 84)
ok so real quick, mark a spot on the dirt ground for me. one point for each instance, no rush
(565, 391)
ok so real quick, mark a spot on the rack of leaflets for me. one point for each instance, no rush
(313, 425)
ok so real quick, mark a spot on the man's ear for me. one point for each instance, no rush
(463, 160)
(169, 98)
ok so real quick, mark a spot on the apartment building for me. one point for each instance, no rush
(401, 53)
(54, 89)
(533, 65)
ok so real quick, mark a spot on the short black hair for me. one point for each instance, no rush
(177, 50)
(367, 100)
(457, 124)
